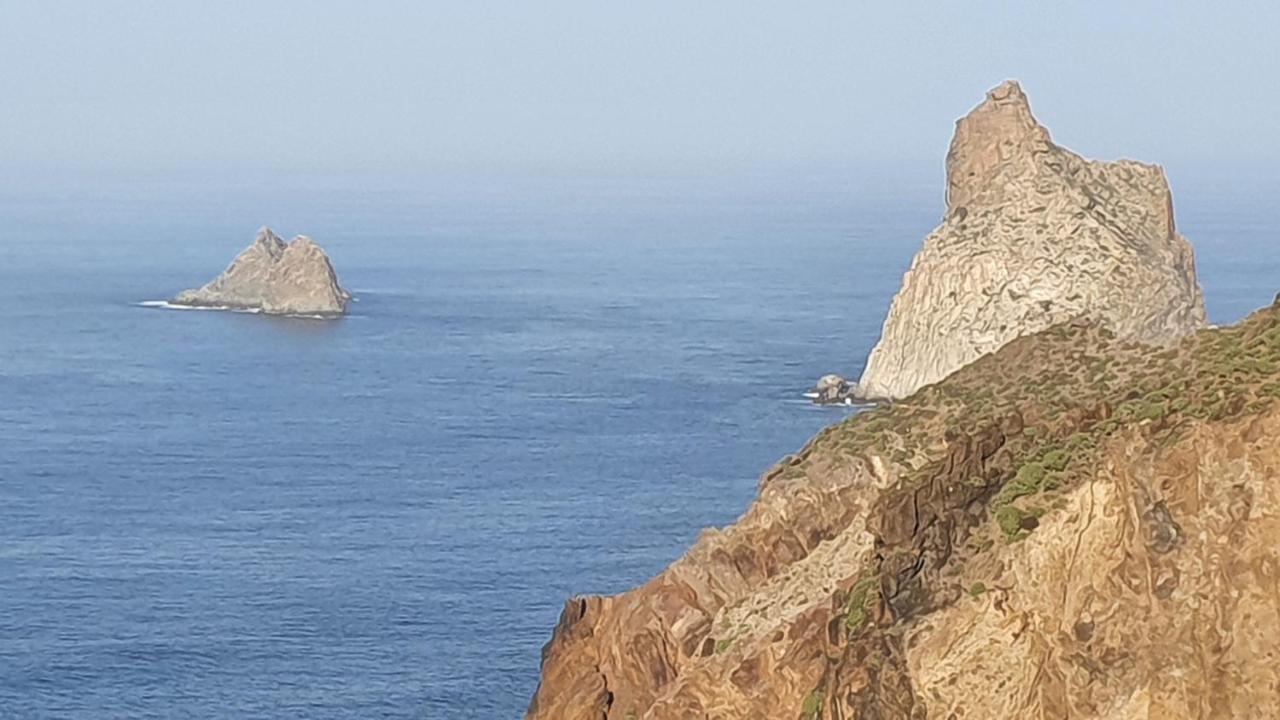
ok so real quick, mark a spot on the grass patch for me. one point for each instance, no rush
(1056, 460)
(1028, 481)
(1080, 441)
(855, 609)
(1009, 518)
(812, 705)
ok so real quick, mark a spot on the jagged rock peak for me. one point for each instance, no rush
(998, 133)
(1034, 235)
(272, 243)
(275, 277)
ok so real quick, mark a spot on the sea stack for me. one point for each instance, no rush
(275, 277)
(1034, 235)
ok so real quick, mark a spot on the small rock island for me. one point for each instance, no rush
(277, 278)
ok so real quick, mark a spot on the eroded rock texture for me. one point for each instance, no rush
(1034, 235)
(1076, 525)
(276, 277)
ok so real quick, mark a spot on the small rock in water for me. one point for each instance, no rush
(832, 390)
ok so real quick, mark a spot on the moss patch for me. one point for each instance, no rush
(812, 705)
(855, 610)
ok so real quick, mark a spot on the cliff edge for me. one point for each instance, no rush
(1033, 235)
(275, 277)
(1075, 525)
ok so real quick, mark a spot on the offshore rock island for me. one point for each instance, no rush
(1076, 514)
(274, 277)
(1033, 235)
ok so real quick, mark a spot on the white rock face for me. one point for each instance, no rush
(276, 277)
(1034, 235)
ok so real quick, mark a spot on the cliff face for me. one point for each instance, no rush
(276, 277)
(1034, 235)
(1073, 526)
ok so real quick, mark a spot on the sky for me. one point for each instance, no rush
(570, 85)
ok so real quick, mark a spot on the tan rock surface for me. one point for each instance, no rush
(275, 277)
(1075, 526)
(1033, 235)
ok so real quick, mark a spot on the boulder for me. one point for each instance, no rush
(832, 390)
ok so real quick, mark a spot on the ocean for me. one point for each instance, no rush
(548, 386)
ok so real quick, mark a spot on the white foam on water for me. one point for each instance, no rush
(166, 305)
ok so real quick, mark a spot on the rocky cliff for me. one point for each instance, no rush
(275, 277)
(1033, 235)
(1077, 525)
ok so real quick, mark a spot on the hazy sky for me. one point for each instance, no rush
(617, 86)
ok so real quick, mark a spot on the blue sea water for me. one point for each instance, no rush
(547, 386)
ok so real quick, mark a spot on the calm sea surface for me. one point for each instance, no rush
(547, 387)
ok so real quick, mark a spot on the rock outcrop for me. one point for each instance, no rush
(1074, 526)
(275, 277)
(1033, 235)
(832, 390)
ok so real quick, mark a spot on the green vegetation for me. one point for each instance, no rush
(1029, 481)
(1142, 409)
(1009, 518)
(1056, 460)
(1217, 375)
(978, 589)
(812, 705)
(855, 610)
(722, 644)
(1041, 409)
(1080, 441)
